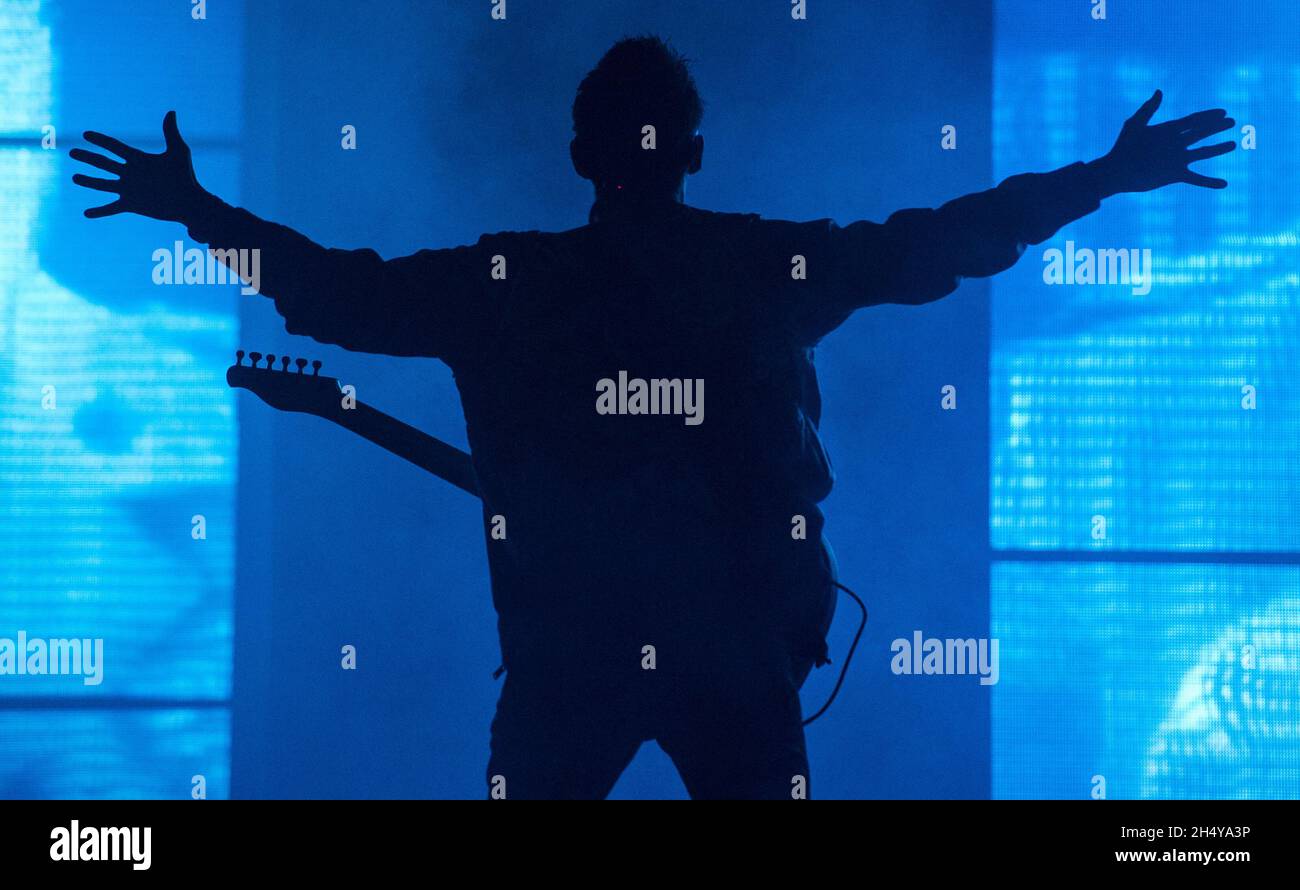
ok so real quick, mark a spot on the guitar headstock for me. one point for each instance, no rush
(283, 388)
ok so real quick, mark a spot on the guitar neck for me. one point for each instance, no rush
(426, 452)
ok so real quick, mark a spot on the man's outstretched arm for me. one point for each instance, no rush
(917, 256)
(415, 305)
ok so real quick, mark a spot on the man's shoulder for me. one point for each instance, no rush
(758, 225)
(700, 221)
(722, 217)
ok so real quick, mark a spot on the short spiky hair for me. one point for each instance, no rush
(640, 81)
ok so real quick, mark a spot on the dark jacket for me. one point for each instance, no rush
(623, 530)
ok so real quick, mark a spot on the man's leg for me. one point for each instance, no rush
(560, 737)
(734, 725)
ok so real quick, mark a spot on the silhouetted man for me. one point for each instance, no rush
(642, 408)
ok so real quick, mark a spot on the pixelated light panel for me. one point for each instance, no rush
(1162, 413)
(1154, 418)
(116, 431)
(1146, 681)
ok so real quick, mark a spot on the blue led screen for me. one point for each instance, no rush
(116, 427)
(1149, 427)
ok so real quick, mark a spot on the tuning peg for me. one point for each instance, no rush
(284, 363)
(301, 363)
(255, 357)
(239, 356)
(315, 367)
(270, 362)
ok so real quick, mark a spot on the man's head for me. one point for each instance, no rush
(641, 82)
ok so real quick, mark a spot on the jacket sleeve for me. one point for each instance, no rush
(431, 303)
(917, 256)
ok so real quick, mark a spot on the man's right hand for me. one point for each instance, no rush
(160, 186)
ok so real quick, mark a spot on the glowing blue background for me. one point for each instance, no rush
(1129, 407)
(1131, 666)
(97, 495)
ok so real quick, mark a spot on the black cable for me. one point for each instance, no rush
(847, 658)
